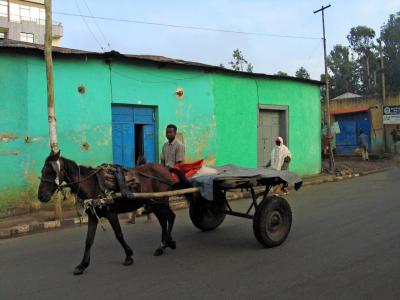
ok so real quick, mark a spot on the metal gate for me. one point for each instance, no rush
(133, 134)
(350, 125)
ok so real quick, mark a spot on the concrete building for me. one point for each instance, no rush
(25, 21)
(111, 107)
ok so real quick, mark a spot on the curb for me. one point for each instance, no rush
(176, 203)
(375, 171)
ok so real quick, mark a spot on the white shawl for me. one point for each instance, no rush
(278, 155)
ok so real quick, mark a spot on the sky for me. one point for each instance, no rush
(268, 54)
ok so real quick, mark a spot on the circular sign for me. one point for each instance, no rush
(386, 110)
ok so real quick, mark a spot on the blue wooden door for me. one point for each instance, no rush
(124, 120)
(350, 125)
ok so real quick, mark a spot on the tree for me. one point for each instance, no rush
(361, 39)
(239, 62)
(281, 73)
(390, 36)
(302, 73)
(343, 71)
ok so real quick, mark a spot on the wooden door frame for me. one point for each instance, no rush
(282, 109)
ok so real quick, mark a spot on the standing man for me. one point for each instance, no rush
(280, 160)
(396, 139)
(280, 156)
(363, 144)
(173, 151)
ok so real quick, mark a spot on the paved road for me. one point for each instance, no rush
(344, 244)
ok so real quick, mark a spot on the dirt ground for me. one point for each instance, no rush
(354, 164)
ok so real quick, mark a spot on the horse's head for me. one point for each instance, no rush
(52, 176)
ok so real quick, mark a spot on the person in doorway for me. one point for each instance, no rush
(280, 156)
(173, 151)
(280, 160)
(363, 144)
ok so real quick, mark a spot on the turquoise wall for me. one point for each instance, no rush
(13, 127)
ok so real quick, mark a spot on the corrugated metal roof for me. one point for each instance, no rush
(347, 95)
(29, 47)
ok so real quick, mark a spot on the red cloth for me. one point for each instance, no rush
(188, 170)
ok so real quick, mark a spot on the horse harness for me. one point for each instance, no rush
(107, 194)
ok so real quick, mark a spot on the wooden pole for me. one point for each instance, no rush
(328, 117)
(50, 81)
(383, 94)
(162, 194)
(50, 94)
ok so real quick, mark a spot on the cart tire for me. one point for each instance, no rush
(206, 215)
(272, 221)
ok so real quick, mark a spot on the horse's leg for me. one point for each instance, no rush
(114, 222)
(171, 219)
(163, 220)
(91, 232)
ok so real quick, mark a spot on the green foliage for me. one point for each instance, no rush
(361, 40)
(390, 36)
(239, 62)
(343, 69)
(302, 73)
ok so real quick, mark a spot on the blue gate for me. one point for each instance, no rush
(133, 134)
(350, 125)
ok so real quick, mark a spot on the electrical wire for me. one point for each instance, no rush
(97, 25)
(189, 27)
(88, 27)
(156, 82)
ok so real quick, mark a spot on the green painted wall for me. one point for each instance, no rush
(13, 128)
(236, 109)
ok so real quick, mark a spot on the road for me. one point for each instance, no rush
(344, 244)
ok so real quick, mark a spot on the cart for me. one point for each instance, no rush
(208, 203)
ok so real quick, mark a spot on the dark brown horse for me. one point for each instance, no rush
(84, 184)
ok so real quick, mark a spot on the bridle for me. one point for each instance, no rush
(56, 166)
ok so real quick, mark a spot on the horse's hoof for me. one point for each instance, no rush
(128, 261)
(158, 252)
(172, 245)
(79, 270)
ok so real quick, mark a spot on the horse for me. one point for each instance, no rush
(84, 183)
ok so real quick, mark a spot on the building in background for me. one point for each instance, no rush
(25, 21)
(352, 113)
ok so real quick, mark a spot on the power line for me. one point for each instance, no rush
(88, 27)
(97, 25)
(189, 27)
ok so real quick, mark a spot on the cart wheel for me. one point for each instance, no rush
(206, 215)
(272, 221)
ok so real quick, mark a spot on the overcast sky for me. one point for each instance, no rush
(267, 54)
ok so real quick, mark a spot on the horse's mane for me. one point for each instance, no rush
(72, 167)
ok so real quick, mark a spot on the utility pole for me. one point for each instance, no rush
(50, 93)
(327, 113)
(383, 93)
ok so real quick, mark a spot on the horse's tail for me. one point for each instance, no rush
(183, 183)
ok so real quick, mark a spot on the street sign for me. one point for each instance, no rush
(391, 114)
